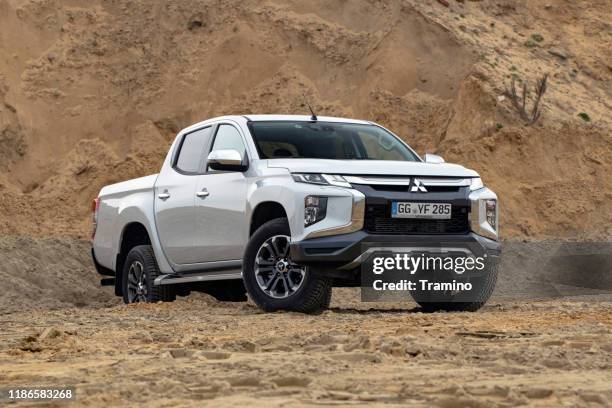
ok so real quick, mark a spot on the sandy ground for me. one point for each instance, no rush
(528, 346)
(198, 351)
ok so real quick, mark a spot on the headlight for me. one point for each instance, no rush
(476, 184)
(315, 209)
(491, 213)
(484, 214)
(321, 179)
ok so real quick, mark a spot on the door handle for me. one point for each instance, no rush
(163, 196)
(203, 193)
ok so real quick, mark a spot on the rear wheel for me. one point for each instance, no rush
(274, 281)
(139, 273)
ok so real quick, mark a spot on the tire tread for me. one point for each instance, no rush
(485, 293)
(316, 294)
(157, 293)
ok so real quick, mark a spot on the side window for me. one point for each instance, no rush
(192, 150)
(229, 138)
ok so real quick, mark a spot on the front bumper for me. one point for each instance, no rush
(347, 250)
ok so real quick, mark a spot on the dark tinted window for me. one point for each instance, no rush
(192, 150)
(228, 137)
(327, 140)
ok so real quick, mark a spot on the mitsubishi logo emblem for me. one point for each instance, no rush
(417, 186)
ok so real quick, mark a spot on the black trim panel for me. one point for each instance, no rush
(338, 250)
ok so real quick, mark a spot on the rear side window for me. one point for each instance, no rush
(192, 150)
(229, 138)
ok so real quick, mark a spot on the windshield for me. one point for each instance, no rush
(327, 140)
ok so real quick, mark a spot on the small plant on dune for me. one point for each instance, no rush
(520, 102)
(584, 116)
(534, 40)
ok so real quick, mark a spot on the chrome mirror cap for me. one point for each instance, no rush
(433, 158)
(225, 157)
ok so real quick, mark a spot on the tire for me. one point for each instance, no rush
(141, 261)
(309, 294)
(482, 289)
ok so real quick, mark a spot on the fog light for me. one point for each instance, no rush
(315, 209)
(491, 211)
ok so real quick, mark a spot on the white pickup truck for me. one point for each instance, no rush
(284, 208)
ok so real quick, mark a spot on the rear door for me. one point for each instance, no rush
(221, 205)
(175, 197)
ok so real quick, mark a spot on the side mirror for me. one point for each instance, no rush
(433, 158)
(226, 160)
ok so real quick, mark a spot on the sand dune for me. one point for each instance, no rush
(93, 92)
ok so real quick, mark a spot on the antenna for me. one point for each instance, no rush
(314, 116)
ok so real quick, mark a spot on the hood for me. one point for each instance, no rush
(371, 167)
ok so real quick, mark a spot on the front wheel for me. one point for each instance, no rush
(274, 281)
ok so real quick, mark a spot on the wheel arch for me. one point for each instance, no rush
(132, 235)
(264, 212)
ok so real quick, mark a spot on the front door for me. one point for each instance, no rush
(221, 224)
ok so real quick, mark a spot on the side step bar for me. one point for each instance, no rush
(170, 279)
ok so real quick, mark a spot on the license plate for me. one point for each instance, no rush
(436, 211)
